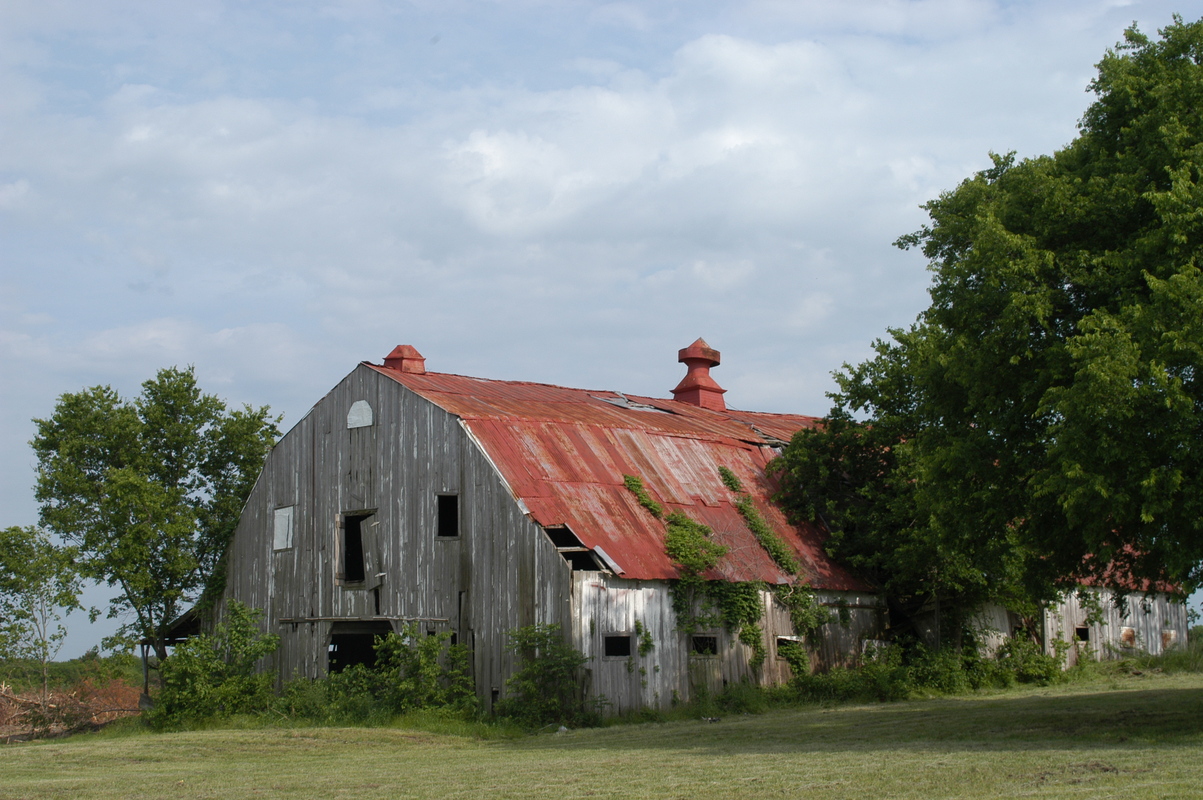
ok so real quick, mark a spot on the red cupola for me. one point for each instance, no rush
(697, 387)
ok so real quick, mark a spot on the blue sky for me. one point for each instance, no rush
(565, 192)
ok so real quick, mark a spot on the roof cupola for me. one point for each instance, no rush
(697, 387)
(406, 358)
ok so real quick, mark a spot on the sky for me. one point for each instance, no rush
(563, 192)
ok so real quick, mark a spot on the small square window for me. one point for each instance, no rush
(1082, 633)
(617, 646)
(703, 645)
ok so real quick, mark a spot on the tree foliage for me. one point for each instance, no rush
(149, 491)
(1042, 420)
(38, 585)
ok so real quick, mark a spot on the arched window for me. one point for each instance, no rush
(360, 415)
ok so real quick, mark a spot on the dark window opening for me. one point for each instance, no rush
(354, 643)
(562, 537)
(579, 557)
(454, 637)
(582, 561)
(353, 571)
(617, 646)
(494, 695)
(448, 525)
(376, 600)
(1082, 634)
(703, 645)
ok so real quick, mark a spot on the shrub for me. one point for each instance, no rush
(214, 675)
(412, 672)
(881, 677)
(1027, 661)
(544, 690)
(413, 678)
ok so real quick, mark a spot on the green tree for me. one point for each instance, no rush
(38, 585)
(149, 492)
(1042, 421)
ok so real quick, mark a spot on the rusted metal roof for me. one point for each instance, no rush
(564, 453)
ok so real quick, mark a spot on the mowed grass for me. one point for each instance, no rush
(1132, 738)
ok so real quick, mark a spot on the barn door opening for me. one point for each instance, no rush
(354, 642)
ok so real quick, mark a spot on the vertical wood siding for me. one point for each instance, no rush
(606, 605)
(499, 574)
(1158, 622)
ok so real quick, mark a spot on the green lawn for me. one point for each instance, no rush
(1132, 738)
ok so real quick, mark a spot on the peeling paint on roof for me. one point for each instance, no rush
(564, 452)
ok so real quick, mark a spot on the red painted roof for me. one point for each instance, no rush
(564, 453)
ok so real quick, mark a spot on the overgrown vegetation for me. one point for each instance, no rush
(214, 675)
(412, 672)
(635, 485)
(698, 602)
(737, 606)
(777, 549)
(545, 689)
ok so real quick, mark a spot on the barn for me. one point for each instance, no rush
(476, 506)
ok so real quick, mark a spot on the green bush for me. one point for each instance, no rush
(545, 689)
(412, 672)
(413, 677)
(214, 675)
(1027, 661)
(881, 677)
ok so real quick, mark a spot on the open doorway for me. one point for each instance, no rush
(354, 642)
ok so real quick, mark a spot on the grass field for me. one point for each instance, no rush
(1132, 737)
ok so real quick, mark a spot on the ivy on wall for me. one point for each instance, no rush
(737, 606)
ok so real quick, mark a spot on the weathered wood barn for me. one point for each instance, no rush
(1100, 623)
(478, 506)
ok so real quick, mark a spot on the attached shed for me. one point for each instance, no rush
(1092, 622)
(479, 506)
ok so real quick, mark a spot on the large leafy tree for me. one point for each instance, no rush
(149, 491)
(1042, 421)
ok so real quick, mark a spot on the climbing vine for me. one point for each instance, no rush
(646, 645)
(698, 602)
(807, 615)
(740, 608)
(805, 611)
(689, 545)
(777, 549)
(635, 485)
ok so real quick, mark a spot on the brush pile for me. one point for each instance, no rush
(89, 705)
